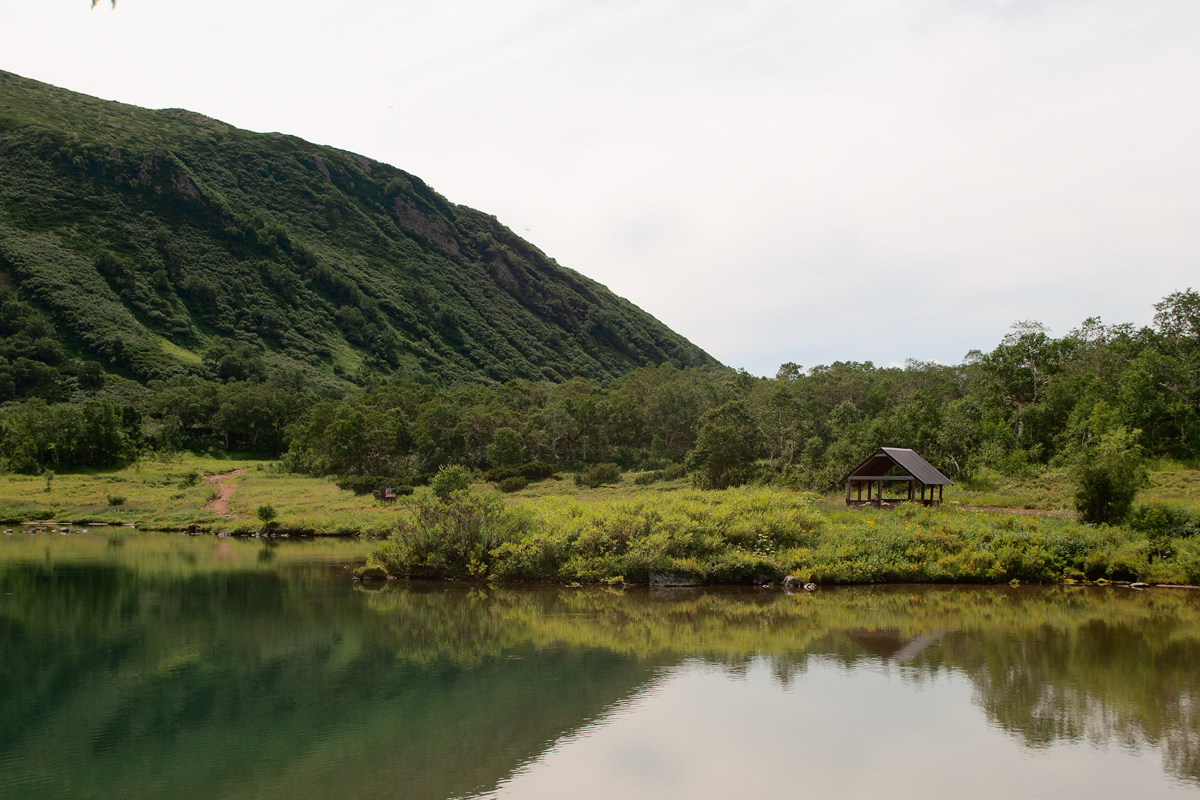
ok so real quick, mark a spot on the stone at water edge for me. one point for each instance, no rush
(792, 584)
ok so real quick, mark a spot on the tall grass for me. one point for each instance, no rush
(762, 534)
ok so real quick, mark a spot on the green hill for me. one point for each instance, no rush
(156, 243)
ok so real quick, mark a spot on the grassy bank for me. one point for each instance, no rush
(993, 530)
(759, 535)
(171, 494)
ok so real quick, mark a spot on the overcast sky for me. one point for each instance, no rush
(777, 180)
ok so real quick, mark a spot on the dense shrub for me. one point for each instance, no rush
(457, 535)
(668, 473)
(514, 484)
(598, 475)
(533, 471)
(733, 537)
(744, 535)
(1164, 519)
(451, 480)
(737, 536)
(1108, 476)
(373, 484)
(35, 436)
(506, 448)
(726, 447)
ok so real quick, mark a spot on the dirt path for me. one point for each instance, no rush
(219, 505)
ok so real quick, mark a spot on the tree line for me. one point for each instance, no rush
(1032, 400)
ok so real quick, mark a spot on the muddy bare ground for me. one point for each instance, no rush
(219, 505)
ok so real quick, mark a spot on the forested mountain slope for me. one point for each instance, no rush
(145, 241)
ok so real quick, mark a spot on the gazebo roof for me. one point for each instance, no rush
(883, 459)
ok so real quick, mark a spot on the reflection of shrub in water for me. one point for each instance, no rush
(1048, 665)
(1090, 683)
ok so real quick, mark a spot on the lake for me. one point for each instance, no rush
(161, 665)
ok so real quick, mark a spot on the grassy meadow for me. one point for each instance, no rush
(994, 529)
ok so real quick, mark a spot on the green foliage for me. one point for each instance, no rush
(533, 471)
(1165, 519)
(597, 475)
(455, 535)
(373, 484)
(451, 481)
(1031, 404)
(116, 500)
(232, 291)
(669, 473)
(245, 416)
(726, 447)
(1109, 474)
(752, 534)
(33, 360)
(506, 448)
(514, 483)
(238, 362)
(266, 514)
(162, 243)
(1165, 525)
(35, 436)
(736, 537)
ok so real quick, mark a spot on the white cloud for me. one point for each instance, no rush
(778, 181)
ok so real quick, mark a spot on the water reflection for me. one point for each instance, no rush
(193, 668)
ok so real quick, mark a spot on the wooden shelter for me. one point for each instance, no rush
(893, 465)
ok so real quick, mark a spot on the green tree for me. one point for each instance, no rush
(1022, 366)
(267, 515)
(1108, 474)
(726, 447)
(451, 480)
(506, 448)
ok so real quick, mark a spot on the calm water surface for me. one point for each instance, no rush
(155, 665)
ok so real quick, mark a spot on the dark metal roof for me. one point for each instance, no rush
(885, 458)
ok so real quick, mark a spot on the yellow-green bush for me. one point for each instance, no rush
(753, 534)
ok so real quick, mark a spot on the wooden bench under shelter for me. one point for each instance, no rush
(892, 465)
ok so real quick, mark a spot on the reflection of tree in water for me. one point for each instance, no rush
(243, 684)
(1103, 666)
(205, 681)
(1099, 683)
(1130, 682)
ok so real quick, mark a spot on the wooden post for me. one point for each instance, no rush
(939, 494)
(879, 501)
